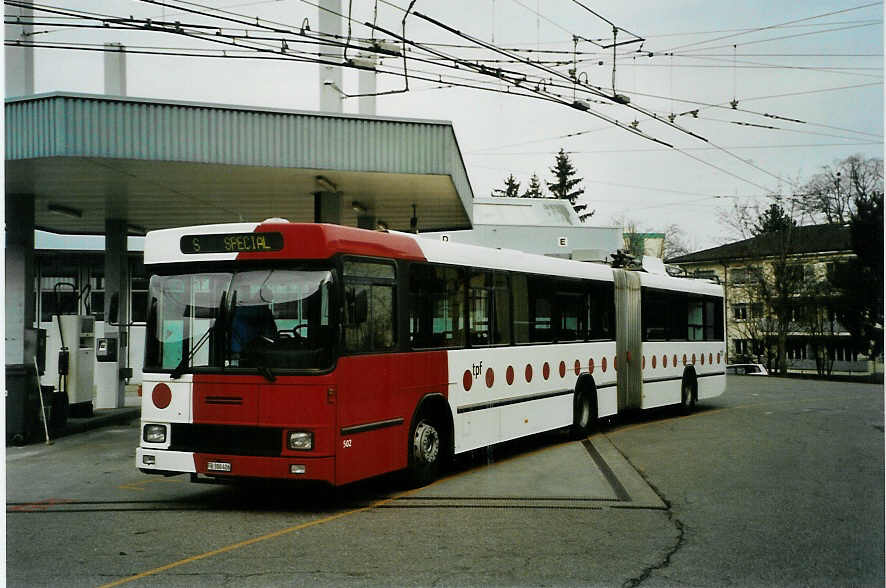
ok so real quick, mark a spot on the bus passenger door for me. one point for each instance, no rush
(370, 423)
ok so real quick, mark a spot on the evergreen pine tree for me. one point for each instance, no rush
(511, 189)
(564, 184)
(773, 220)
(535, 189)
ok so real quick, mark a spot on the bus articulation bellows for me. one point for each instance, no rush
(323, 352)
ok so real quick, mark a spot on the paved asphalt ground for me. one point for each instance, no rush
(777, 483)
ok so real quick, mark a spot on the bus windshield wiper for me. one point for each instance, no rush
(186, 360)
(267, 373)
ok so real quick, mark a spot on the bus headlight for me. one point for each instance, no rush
(300, 440)
(154, 434)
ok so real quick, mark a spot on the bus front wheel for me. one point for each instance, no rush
(424, 452)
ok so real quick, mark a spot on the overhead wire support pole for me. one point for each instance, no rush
(403, 28)
(614, 46)
(616, 28)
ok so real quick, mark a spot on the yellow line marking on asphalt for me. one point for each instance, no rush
(259, 539)
(141, 485)
(293, 529)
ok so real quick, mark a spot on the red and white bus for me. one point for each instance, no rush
(323, 352)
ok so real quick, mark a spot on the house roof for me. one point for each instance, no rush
(805, 239)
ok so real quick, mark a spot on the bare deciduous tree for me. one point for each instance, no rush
(830, 195)
(675, 242)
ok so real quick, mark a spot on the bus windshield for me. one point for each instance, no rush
(259, 319)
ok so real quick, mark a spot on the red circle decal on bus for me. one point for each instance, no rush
(702, 359)
(591, 365)
(546, 370)
(711, 358)
(643, 363)
(467, 380)
(562, 369)
(664, 361)
(675, 360)
(490, 378)
(718, 357)
(528, 372)
(603, 364)
(684, 359)
(653, 361)
(162, 395)
(509, 375)
(615, 362)
(693, 359)
(577, 367)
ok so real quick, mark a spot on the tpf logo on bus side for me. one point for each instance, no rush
(477, 369)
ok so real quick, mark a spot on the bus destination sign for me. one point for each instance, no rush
(231, 243)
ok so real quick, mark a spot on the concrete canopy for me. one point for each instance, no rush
(162, 164)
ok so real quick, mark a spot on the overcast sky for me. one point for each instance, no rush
(814, 61)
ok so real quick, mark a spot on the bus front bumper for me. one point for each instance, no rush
(235, 466)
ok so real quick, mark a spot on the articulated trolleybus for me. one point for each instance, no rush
(323, 352)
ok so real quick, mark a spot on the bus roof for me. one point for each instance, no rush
(278, 239)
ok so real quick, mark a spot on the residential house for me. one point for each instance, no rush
(808, 255)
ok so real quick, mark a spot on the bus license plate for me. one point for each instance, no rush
(218, 466)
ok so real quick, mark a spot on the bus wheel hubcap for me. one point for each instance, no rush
(426, 443)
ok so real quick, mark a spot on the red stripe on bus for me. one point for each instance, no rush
(322, 241)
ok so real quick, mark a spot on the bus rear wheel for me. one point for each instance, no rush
(687, 395)
(585, 415)
(425, 449)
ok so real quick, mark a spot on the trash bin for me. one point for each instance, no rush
(22, 403)
(57, 403)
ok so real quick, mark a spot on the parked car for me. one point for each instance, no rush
(747, 369)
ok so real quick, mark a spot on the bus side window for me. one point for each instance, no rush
(357, 309)
(601, 310)
(655, 315)
(369, 306)
(520, 291)
(436, 306)
(369, 317)
(489, 317)
(572, 311)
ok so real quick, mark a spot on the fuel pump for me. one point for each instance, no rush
(76, 356)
